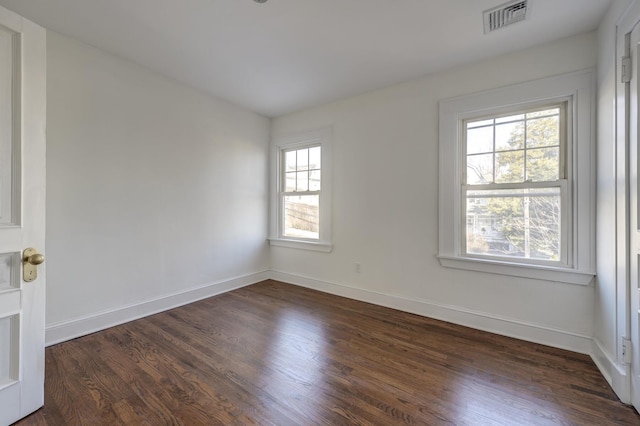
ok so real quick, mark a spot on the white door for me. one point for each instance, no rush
(634, 213)
(22, 200)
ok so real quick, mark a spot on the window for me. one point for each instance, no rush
(300, 197)
(300, 192)
(514, 183)
(516, 180)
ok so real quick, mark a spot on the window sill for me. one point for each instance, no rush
(302, 245)
(547, 273)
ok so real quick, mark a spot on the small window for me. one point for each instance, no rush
(300, 192)
(301, 201)
(514, 185)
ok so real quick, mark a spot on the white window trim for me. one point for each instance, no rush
(320, 137)
(578, 89)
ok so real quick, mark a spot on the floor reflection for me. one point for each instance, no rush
(297, 360)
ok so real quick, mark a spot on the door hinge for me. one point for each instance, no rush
(626, 69)
(626, 351)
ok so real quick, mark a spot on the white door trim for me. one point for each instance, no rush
(621, 383)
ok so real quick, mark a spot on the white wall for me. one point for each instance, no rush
(610, 309)
(385, 207)
(153, 189)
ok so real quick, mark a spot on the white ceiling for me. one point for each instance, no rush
(286, 55)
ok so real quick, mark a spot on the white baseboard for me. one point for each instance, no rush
(70, 329)
(617, 375)
(479, 320)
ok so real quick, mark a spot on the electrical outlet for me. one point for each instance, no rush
(357, 268)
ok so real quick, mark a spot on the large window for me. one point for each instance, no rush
(516, 180)
(301, 199)
(514, 185)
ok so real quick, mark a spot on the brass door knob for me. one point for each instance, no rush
(35, 259)
(30, 261)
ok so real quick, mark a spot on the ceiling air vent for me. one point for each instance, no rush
(505, 14)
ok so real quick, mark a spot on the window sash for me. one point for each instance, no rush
(283, 216)
(283, 166)
(565, 221)
(563, 128)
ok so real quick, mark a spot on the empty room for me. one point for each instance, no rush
(319, 212)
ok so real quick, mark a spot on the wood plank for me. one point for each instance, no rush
(277, 354)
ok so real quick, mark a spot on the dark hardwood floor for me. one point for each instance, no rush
(276, 354)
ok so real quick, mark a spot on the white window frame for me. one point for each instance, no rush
(576, 89)
(564, 164)
(279, 145)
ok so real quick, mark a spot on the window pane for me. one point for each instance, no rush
(518, 117)
(543, 132)
(479, 169)
(301, 216)
(303, 159)
(314, 158)
(510, 167)
(543, 113)
(8, 155)
(543, 164)
(290, 161)
(480, 140)
(472, 124)
(302, 181)
(290, 181)
(516, 223)
(510, 136)
(8, 350)
(314, 180)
